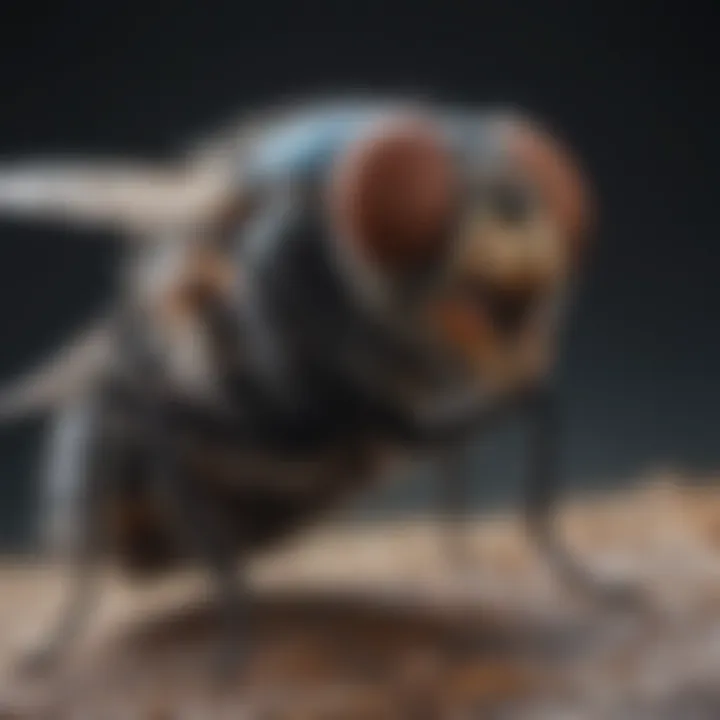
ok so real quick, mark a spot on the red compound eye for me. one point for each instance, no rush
(392, 194)
(555, 172)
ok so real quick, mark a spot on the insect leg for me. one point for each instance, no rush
(542, 493)
(207, 530)
(455, 475)
(216, 545)
(454, 499)
(73, 524)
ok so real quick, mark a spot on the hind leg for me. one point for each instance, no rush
(71, 525)
(70, 623)
(215, 543)
(233, 604)
(209, 532)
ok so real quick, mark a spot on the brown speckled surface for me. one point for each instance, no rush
(372, 623)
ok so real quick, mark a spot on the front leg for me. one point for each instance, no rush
(542, 495)
(454, 499)
(455, 485)
(542, 491)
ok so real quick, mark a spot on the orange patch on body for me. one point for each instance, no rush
(465, 329)
(207, 275)
(502, 363)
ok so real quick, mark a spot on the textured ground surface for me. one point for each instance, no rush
(370, 624)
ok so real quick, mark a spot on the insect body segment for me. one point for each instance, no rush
(341, 278)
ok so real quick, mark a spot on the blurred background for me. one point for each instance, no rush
(632, 88)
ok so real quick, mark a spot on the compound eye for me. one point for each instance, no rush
(392, 194)
(556, 175)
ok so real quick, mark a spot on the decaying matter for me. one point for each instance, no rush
(305, 300)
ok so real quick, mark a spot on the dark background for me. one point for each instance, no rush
(632, 85)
